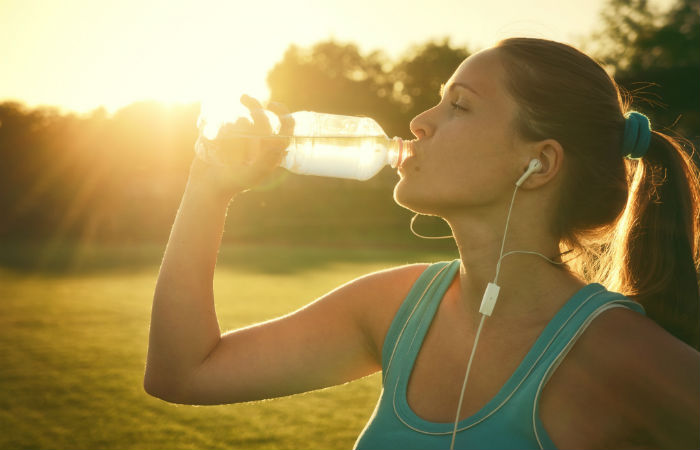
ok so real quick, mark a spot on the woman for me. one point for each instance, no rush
(561, 362)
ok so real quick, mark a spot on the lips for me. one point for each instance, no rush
(410, 154)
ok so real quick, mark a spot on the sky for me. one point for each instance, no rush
(79, 55)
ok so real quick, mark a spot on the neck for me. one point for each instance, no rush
(531, 288)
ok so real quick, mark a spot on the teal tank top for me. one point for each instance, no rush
(510, 420)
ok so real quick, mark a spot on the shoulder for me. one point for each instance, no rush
(377, 297)
(376, 287)
(651, 378)
(624, 339)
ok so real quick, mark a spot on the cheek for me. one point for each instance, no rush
(433, 186)
(459, 169)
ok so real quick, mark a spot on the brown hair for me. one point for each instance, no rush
(631, 225)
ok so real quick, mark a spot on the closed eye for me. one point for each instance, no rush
(457, 106)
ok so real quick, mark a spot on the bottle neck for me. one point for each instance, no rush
(399, 150)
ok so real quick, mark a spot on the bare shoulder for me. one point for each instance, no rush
(623, 332)
(657, 373)
(379, 296)
(638, 384)
(624, 342)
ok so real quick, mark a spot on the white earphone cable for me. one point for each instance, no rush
(466, 376)
(483, 316)
(505, 232)
(481, 323)
(413, 219)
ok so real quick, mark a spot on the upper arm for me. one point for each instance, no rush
(626, 383)
(655, 377)
(330, 341)
(665, 386)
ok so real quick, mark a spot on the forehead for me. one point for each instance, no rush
(484, 73)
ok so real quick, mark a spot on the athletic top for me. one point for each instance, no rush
(510, 420)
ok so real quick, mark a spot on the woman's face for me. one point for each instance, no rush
(467, 150)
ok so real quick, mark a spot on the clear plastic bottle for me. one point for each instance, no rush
(328, 145)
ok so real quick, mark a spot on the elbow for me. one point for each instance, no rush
(163, 389)
(153, 388)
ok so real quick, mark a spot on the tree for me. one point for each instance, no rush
(418, 77)
(656, 56)
(336, 78)
(95, 177)
(330, 77)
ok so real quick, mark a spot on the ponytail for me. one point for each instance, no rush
(654, 250)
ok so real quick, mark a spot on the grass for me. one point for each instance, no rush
(73, 345)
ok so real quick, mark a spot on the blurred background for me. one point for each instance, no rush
(98, 109)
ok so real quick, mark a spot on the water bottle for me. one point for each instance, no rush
(326, 145)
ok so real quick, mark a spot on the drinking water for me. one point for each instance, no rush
(325, 145)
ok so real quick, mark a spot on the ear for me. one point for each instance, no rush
(551, 155)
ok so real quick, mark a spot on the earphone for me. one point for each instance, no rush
(492, 289)
(534, 166)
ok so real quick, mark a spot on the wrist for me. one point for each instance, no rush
(211, 183)
(210, 192)
(208, 187)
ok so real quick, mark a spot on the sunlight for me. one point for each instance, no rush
(132, 50)
(183, 69)
(116, 53)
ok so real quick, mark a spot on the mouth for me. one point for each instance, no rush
(410, 153)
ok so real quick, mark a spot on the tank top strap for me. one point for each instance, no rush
(573, 319)
(411, 322)
(556, 341)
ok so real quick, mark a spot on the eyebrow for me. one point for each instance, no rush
(462, 85)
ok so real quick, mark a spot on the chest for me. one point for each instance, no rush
(574, 407)
(435, 384)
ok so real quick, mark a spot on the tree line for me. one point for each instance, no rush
(119, 178)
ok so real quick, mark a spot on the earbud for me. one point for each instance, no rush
(534, 166)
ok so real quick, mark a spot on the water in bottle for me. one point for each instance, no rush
(326, 145)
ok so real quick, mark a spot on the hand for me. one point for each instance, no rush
(247, 160)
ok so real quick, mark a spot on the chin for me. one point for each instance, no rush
(415, 201)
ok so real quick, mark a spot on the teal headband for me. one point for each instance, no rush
(635, 141)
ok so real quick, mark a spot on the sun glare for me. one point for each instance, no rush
(133, 50)
(116, 53)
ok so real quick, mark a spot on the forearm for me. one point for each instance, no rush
(184, 327)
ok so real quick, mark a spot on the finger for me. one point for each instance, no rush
(274, 152)
(265, 163)
(253, 147)
(241, 126)
(250, 102)
(286, 119)
(234, 149)
(261, 123)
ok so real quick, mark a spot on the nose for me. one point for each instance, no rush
(421, 125)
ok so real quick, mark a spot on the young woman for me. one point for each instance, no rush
(561, 362)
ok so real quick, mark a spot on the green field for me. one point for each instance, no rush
(73, 339)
